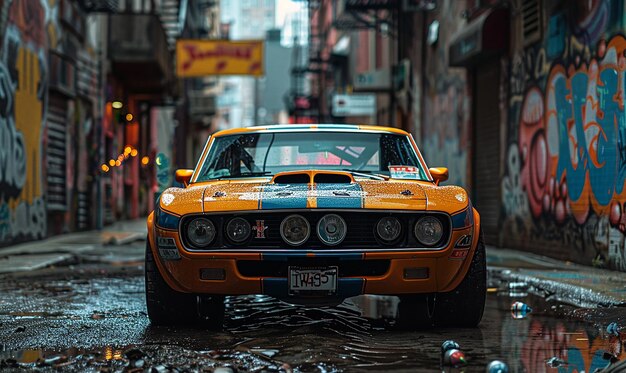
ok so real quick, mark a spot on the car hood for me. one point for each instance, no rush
(391, 194)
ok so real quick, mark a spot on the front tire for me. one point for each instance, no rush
(464, 306)
(169, 307)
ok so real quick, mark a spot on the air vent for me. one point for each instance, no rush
(531, 21)
(332, 179)
(292, 179)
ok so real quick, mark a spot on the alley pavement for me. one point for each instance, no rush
(566, 282)
(518, 271)
(106, 245)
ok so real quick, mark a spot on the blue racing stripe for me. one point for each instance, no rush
(339, 196)
(284, 196)
(346, 287)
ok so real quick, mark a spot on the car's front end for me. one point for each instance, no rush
(314, 233)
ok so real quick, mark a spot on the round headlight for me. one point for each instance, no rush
(428, 230)
(388, 229)
(332, 229)
(200, 232)
(238, 230)
(295, 230)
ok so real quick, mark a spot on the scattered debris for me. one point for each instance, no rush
(555, 362)
(448, 345)
(520, 310)
(20, 329)
(497, 366)
(451, 355)
(454, 358)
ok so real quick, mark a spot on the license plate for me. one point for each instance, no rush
(302, 279)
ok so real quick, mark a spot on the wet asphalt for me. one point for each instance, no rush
(88, 315)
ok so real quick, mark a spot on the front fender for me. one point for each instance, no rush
(462, 272)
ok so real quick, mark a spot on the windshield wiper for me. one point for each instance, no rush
(365, 173)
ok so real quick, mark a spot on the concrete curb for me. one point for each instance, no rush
(25, 263)
(125, 239)
(554, 290)
(37, 248)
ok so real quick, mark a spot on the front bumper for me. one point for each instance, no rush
(446, 268)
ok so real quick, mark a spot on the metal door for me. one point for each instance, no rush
(486, 149)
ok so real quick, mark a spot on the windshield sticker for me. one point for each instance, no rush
(404, 172)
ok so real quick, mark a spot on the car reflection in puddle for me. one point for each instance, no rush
(263, 333)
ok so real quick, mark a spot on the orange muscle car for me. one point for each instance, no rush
(314, 214)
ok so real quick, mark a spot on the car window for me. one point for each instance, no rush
(265, 154)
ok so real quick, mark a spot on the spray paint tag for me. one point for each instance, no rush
(404, 172)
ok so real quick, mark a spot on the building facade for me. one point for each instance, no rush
(522, 100)
(247, 20)
(87, 90)
(535, 86)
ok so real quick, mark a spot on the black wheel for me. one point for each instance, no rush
(169, 307)
(464, 306)
(415, 312)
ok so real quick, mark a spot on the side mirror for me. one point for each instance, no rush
(440, 174)
(183, 176)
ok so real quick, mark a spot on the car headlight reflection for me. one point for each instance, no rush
(295, 230)
(388, 229)
(331, 229)
(200, 232)
(428, 230)
(238, 230)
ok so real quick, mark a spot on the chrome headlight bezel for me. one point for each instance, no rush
(243, 223)
(286, 221)
(379, 235)
(323, 234)
(194, 224)
(429, 222)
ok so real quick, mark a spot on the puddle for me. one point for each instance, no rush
(100, 324)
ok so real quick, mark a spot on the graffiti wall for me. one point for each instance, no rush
(566, 161)
(447, 101)
(23, 99)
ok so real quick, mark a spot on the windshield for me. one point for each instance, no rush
(265, 154)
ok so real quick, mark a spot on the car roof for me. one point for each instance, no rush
(311, 127)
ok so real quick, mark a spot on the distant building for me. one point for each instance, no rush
(247, 19)
(273, 88)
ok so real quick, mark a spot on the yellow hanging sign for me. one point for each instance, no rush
(219, 57)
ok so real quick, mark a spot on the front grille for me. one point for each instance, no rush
(360, 230)
(347, 268)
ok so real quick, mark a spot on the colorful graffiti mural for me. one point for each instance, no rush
(566, 159)
(571, 139)
(23, 98)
